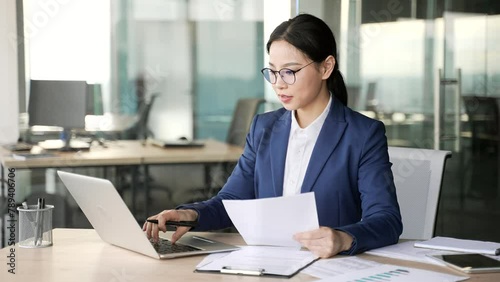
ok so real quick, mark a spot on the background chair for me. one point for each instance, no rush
(140, 130)
(484, 148)
(242, 118)
(418, 177)
(243, 115)
(245, 111)
(128, 175)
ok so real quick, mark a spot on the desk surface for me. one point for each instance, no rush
(80, 255)
(129, 152)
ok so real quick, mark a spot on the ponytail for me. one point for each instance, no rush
(337, 86)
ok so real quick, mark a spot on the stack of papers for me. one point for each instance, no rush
(407, 251)
(25, 156)
(326, 268)
(388, 272)
(352, 269)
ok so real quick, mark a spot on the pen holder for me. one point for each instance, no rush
(35, 226)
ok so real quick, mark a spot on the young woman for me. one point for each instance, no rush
(314, 143)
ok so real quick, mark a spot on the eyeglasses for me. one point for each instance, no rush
(287, 75)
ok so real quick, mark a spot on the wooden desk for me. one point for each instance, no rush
(80, 255)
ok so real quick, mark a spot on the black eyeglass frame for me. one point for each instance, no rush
(279, 71)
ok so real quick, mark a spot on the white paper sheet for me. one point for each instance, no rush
(211, 258)
(325, 268)
(406, 251)
(388, 272)
(273, 221)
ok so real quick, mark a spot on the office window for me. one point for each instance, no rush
(68, 40)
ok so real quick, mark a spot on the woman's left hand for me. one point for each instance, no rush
(324, 241)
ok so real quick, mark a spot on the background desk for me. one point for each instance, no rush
(80, 255)
(129, 152)
(124, 153)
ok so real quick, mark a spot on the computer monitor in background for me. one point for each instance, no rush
(58, 103)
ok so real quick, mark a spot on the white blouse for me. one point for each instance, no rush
(300, 146)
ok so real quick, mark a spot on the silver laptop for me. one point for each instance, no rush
(115, 224)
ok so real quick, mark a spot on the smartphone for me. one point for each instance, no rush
(469, 263)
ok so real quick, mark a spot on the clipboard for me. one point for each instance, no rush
(260, 261)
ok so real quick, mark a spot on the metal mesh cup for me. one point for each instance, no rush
(35, 226)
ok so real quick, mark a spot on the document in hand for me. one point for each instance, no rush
(260, 260)
(461, 245)
(273, 221)
(270, 223)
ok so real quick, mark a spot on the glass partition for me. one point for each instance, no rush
(199, 57)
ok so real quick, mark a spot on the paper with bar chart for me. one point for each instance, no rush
(393, 273)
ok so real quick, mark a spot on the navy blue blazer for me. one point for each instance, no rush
(349, 172)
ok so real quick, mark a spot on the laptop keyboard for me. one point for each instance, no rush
(166, 247)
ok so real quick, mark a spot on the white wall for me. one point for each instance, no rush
(8, 73)
(9, 109)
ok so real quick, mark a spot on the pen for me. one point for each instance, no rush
(242, 270)
(40, 233)
(176, 223)
(37, 221)
(29, 215)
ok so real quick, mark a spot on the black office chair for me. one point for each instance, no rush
(242, 118)
(140, 130)
(371, 98)
(243, 115)
(245, 111)
(484, 123)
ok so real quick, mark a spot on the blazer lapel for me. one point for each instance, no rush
(328, 139)
(279, 144)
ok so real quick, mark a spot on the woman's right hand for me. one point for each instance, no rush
(152, 229)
